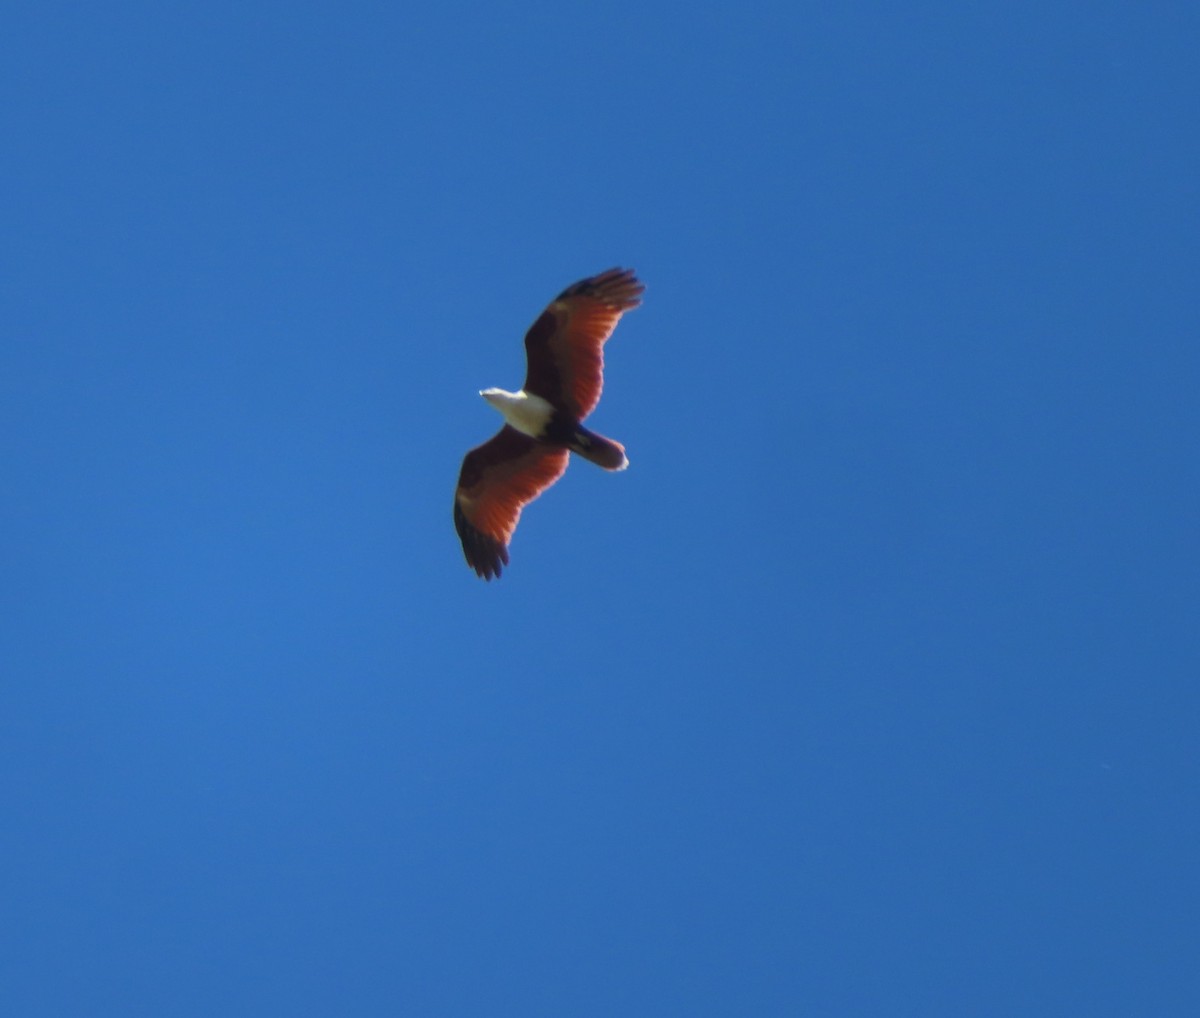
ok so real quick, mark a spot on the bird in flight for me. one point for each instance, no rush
(564, 353)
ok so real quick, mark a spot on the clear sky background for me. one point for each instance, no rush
(869, 689)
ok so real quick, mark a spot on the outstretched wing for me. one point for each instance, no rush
(496, 481)
(564, 349)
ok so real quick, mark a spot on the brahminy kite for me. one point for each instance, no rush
(564, 354)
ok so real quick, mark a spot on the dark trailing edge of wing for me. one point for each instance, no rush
(484, 554)
(541, 373)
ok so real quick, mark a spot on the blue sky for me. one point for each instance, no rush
(870, 688)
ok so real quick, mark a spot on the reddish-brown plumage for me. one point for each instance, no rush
(565, 347)
(497, 480)
(565, 365)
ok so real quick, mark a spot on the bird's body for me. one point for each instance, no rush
(543, 421)
(525, 411)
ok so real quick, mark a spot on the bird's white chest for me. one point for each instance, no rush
(527, 413)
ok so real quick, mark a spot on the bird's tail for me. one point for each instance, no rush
(604, 452)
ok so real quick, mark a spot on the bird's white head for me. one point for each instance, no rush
(499, 398)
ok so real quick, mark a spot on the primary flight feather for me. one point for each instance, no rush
(564, 353)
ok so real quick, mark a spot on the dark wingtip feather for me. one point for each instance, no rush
(484, 554)
(618, 288)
